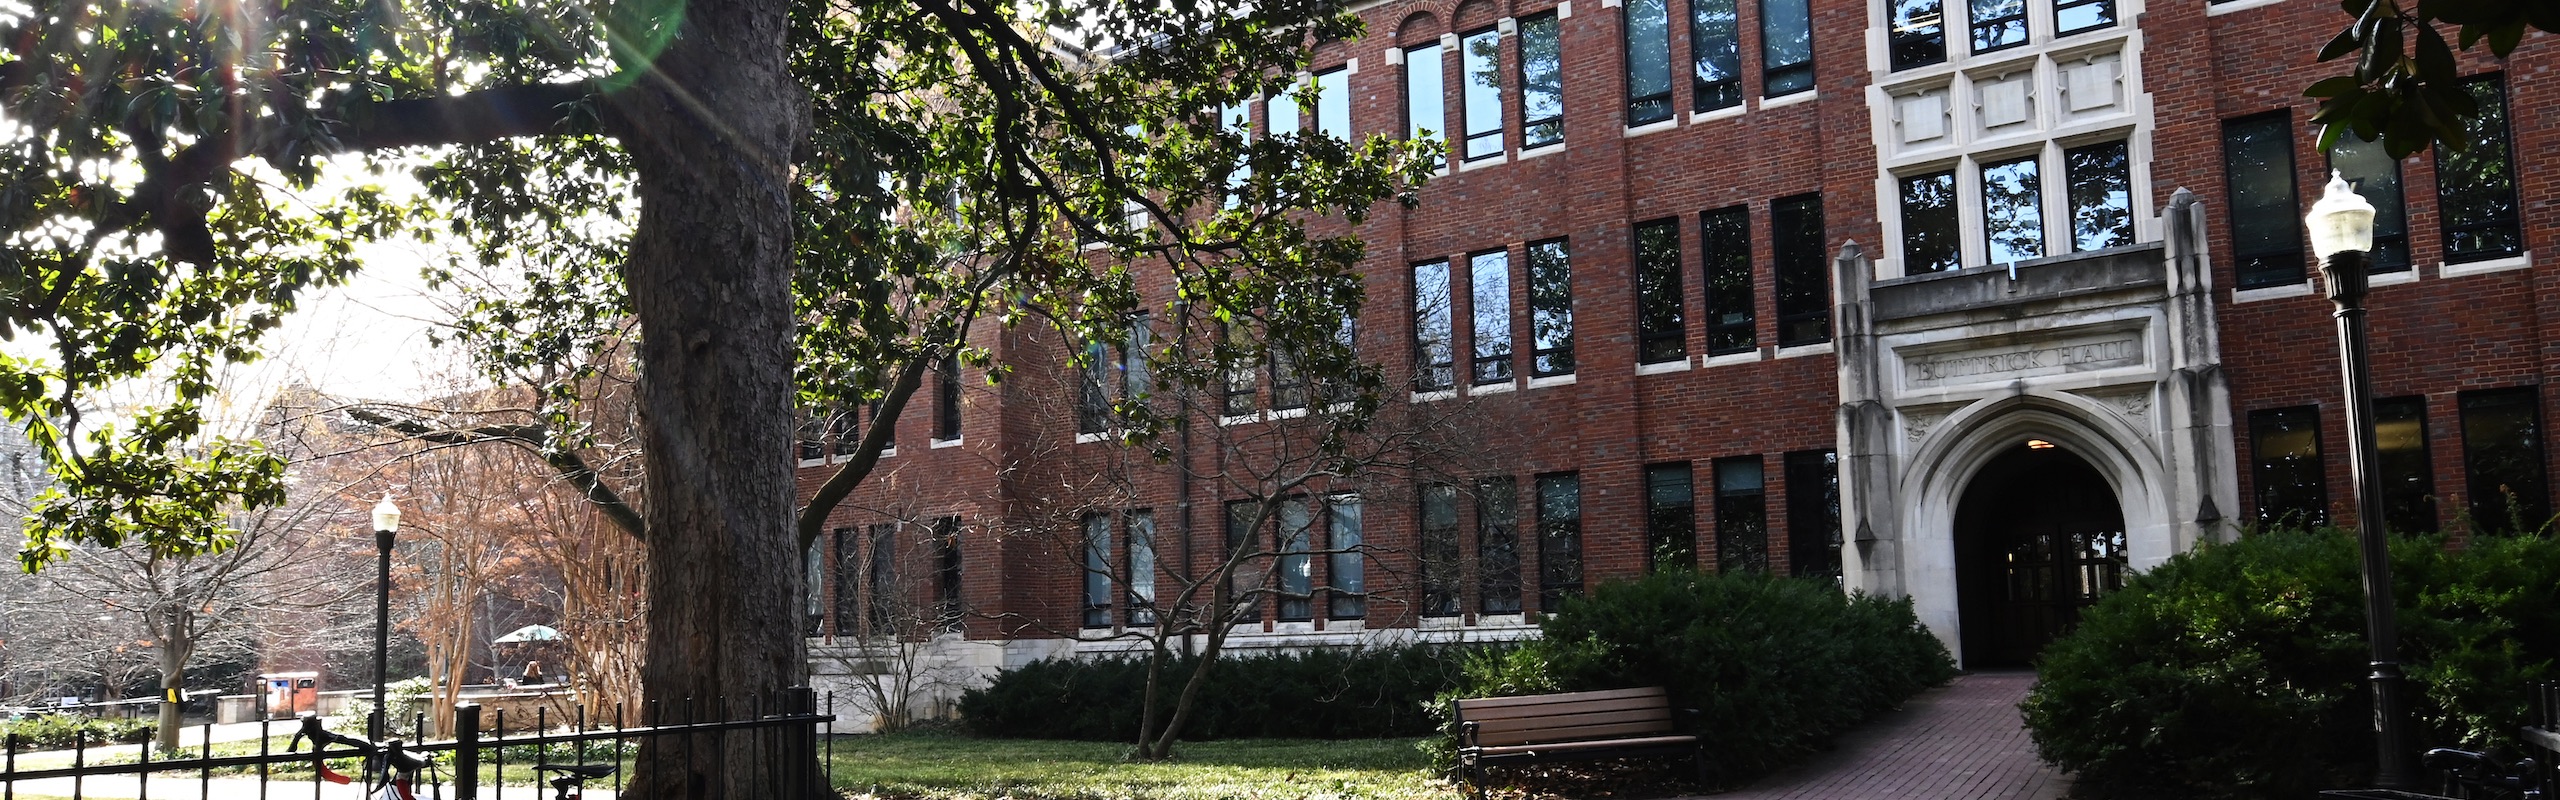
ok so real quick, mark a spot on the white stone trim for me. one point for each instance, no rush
(1650, 127)
(2302, 289)
(1434, 397)
(1783, 101)
(2522, 260)
(2219, 9)
(1796, 351)
(1566, 379)
(1745, 357)
(1727, 112)
(1482, 389)
(1681, 365)
(952, 442)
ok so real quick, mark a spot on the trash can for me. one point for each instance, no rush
(290, 694)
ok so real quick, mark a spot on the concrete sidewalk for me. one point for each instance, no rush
(1962, 741)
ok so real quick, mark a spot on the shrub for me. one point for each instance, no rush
(2238, 670)
(1319, 694)
(1777, 665)
(66, 731)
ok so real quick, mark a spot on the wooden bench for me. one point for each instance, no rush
(1577, 726)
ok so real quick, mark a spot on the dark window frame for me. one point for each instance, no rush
(947, 399)
(1142, 607)
(1915, 45)
(1661, 318)
(1670, 517)
(2507, 214)
(2407, 475)
(950, 605)
(1345, 558)
(1443, 574)
(1977, 27)
(1097, 570)
(2078, 201)
(2488, 501)
(1781, 79)
(1432, 374)
(1468, 136)
(1498, 545)
(1742, 516)
(1715, 56)
(2390, 251)
(1536, 132)
(1651, 107)
(1946, 223)
(1439, 79)
(2106, 16)
(1483, 367)
(1798, 262)
(1297, 603)
(2280, 494)
(1725, 274)
(1813, 514)
(1550, 301)
(1560, 567)
(2279, 264)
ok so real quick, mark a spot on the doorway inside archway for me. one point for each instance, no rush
(2039, 536)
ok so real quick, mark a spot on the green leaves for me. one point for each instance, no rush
(2405, 90)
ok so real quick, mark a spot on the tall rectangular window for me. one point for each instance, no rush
(1998, 24)
(1441, 576)
(1648, 26)
(889, 431)
(1550, 308)
(1425, 98)
(1804, 277)
(2292, 481)
(1660, 335)
(2502, 457)
(813, 607)
(1093, 399)
(2013, 210)
(1280, 114)
(1296, 566)
(1333, 103)
(1142, 566)
(1541, 81)
(2074, 16)
(2403, 463)
(1480, 73)
(1930, 236)
(1489, 278)
(1433, 352)
(1670, 518)
(947, 602)
(848, 582)
(1917, 33)
(2376, 175)
(1097, 570)
(946, 407)
(2476, 188)
(1345, 575)
(1133, 359)
(1724, 241)
(881, 592)
(1813, 514)
(2266, 219)
(2098, 180)
(1559, 539)
(1742, 516)
(1498, 544)
(1288, 385)
(1238, 121)
(1244, 581)
(1786, 47)
(1715, 53)
(1243, 380)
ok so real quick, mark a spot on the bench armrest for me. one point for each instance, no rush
(1467, 733)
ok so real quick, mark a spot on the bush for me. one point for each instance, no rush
(1320, 694)
(1778, 665)
(2238, 670)
(66, 731)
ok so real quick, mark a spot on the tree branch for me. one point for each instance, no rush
(569, 465)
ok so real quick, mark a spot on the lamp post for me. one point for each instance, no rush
(2341, 233)
(386, 521)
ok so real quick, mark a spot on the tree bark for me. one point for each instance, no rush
(710, 129)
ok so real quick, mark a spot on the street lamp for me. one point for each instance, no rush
(2341, 233)
(386, 521)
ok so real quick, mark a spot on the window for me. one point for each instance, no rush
(1141, 552)
(1559, 539)
(1929, 232)
(1742, 516)
(1425, 99)
(1917, 33)
(2074, 16)
(812, 443)
(888, 430)
(2012, 210)
(1133, 359)
(1480, 71)
(1648, 61)
(1288, 385)
(882, 590)
(848, 582)
(2293, 483)
(1670, 518)
(1433, 353)
(1348, 597)
(1093, 401)
(1295, 565)
(1097, 570)
(1243, 582)
(2266, 221)
(1998, 24)
(1813, 514)
(946, 417)
(2476, 188)
(1280, 114)
(1242, 379)
(1786, 47)
(2098, 181)
(1238, 120)
(948, 607)
(1541, 81)
(1333, 103)
(1804, 277)
(2402, 462)
(1439, 555)
(1489, 276)
(2502, 456)
(1550, 308)
(813, 605)
(1724, 239)
(2376, 175)
(1715, 50)
(1660, 336)
(1498, 544)
(846, 437)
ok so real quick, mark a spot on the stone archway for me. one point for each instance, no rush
(2038, 537)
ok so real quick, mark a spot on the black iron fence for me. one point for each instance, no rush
(490, 756)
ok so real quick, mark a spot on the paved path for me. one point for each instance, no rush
(1962, 741)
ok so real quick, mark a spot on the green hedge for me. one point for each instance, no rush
(2238, 670)
(1778, 665)
(65, 731)
(1322, 694)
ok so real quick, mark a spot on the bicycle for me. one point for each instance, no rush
(572, 783)
(390, 770)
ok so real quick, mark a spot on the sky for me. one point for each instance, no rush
(368, 338)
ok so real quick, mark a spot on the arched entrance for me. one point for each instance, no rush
(2039, 535)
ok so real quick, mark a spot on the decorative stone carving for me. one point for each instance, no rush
(2134, 404)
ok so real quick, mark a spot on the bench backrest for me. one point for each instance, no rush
(1576, 716)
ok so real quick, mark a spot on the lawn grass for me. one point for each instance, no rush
(937, 766)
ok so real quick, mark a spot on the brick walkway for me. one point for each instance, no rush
(1962, 741)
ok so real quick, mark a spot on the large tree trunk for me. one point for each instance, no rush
(710, 128)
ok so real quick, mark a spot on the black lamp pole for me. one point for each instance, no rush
(2347, 273)
(386, 521)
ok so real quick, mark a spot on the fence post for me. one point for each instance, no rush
(803, 740)
(466, 751)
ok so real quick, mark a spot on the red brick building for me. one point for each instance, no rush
(1981, 302)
